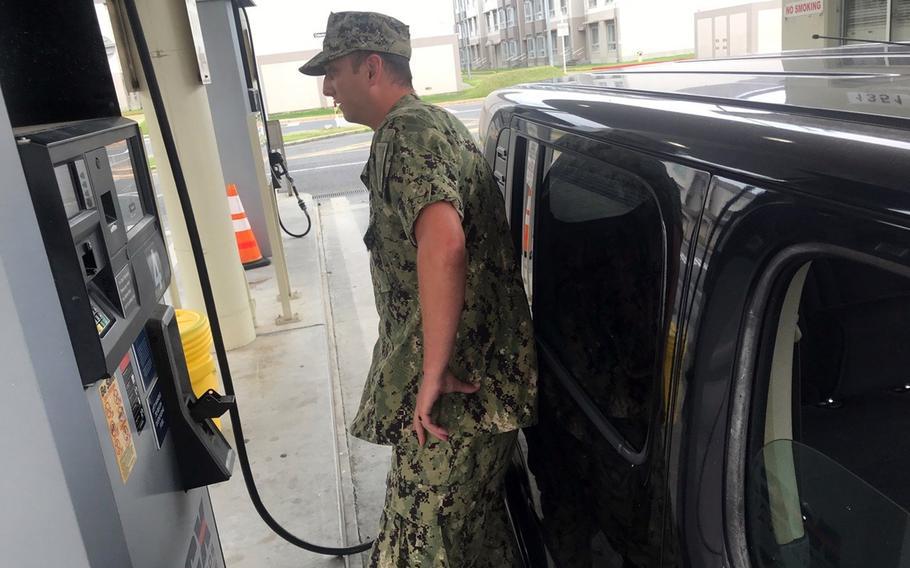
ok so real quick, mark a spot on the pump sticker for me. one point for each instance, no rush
(156, 410)
(119, 426)
(126, 289)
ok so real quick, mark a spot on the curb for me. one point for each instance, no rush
(325, 137)
(331, 116)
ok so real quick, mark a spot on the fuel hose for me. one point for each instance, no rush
(208, 297)
(276, 173)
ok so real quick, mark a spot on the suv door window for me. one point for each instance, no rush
(827, 484)
(599, 251)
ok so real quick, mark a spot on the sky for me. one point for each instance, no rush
(282, 26)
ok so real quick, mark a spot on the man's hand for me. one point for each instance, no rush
(431, 388)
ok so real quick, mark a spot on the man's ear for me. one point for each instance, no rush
(374, 67)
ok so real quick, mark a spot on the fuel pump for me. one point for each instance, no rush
(88, 179)
(90, 185)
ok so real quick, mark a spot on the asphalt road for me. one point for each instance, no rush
(291, 126)
(328, 167)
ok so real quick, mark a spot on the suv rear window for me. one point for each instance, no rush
(598, 283)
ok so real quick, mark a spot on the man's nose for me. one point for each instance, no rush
(327, 89)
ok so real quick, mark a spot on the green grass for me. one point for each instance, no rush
(308, 134)
(143, 127)
(486, 83)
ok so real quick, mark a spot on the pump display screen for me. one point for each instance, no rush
(118, 155)
(67, 190)
(103, 321)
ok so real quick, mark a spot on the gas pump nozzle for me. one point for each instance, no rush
(211, 405)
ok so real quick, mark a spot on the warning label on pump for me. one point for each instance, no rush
(119, 426)
(804, 8)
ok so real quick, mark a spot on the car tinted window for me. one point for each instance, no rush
(598, 280)
(828, 484)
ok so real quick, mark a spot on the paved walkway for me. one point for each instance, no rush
(297, 385)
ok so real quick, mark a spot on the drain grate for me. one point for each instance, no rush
(344, 193)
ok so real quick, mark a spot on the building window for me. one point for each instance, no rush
(500, 18)
(529, 14)
(564, 7)
(870, 20)
(492, 21)
(594, 36)
(538, 8)
(554, 42)
(531, 53)
(865, 19)
(611, 35)
(510, 16)
(592, 3)
(541, 46)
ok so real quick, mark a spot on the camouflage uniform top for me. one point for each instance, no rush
(420, 155)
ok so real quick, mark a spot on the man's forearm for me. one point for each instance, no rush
(441, 264)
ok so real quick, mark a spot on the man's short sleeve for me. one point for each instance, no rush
(423, 170)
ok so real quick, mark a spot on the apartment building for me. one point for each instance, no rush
(511, 33)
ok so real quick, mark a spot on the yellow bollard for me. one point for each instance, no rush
(196, 337)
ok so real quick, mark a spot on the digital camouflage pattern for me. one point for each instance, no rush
(422, 154)
(347, 32)
(444, 505)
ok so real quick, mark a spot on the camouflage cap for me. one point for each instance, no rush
(347, 32)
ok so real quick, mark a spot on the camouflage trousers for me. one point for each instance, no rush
(445, 506)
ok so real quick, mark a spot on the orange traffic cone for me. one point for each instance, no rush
(250, 255)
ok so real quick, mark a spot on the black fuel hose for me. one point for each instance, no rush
(280, 170)
(193, 231)
(276, 175)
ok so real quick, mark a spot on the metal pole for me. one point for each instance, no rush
(546, 15)
(564, 71)
(888, 21)
(270, 204)
(468, 53)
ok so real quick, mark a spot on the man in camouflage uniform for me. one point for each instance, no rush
(455, 356)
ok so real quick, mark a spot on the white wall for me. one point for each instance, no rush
(284, 26)
(769, 31)
(287, 89)
(284, 34)
(432, 68)
(797, 31)
(655, 27)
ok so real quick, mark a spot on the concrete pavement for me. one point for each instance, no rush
(297, 388)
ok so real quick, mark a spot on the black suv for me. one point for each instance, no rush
(717, 255)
